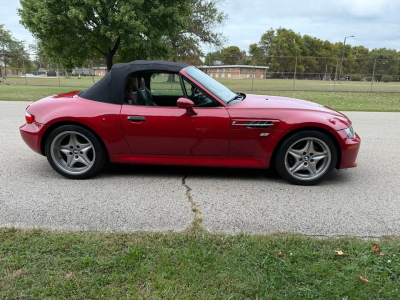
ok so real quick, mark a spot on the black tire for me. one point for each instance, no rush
(57, 161)
(285, 161)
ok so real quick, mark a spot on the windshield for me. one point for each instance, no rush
(218, 89)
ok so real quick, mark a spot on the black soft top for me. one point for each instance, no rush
(110, 89)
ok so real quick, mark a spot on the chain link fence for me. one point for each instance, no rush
(244, 73)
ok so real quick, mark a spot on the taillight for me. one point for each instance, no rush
(29, 118)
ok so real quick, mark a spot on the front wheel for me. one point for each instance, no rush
(306, 158)
(75, 152)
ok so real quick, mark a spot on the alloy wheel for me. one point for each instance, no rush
(73, 152)
(308, 158)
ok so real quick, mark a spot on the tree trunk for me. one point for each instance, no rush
(171, 78)
(110, 54)
(109, 60)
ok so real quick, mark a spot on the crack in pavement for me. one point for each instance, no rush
(196, 224)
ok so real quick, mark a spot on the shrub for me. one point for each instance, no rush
(355, 78)
(277, 75)
(387, 78)
(368, 78)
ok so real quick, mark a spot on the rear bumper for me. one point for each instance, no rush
(350, 148)
(32, 135)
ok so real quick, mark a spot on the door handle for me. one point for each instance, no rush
(136, 118)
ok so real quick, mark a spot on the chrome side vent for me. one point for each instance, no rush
(255, 124)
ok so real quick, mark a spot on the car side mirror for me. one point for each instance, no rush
(186, 104)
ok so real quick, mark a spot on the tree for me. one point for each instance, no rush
(74, 30)
(231, 55)
(282, 45)
(12, 52)
(387, 62)
(257, 54)
(198, 28)
(41, 59)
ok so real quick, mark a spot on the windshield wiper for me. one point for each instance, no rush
(238, 95)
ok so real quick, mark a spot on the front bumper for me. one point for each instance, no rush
(32, 135)
(350, 148)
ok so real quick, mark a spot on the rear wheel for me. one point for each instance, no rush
(75, 152)
(306, 158)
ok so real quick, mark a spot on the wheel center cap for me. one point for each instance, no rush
(306, 158)
(76, 151)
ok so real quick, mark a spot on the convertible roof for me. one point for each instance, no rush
(110, 89)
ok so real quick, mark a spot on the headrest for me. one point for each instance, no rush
(142, 84)
(132, 83)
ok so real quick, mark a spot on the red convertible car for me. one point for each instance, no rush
(165, 113)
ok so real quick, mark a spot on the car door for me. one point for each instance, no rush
(168, 130)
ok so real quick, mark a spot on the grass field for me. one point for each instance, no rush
(344, 101)
(308, 85)
(36, 264)
(244, 84)
(73, 81)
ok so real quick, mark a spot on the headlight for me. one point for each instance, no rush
(350, 132)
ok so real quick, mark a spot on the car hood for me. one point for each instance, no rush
(265, 101)
(283, 105)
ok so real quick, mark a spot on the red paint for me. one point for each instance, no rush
(186, 104)
(199, 161)
(32, 135)
(108, 120)
(171, 131)
(348, 155)
(187, 135)
(53, 110)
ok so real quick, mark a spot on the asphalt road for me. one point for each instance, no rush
(364, 201)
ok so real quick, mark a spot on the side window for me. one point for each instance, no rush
(199, 98)
(163, 89)
(188, 88)
(165, 84)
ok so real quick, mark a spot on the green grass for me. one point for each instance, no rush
(29, 93)
(72, 81)
(343, 101)
(243, 84)
(36, 264)
(308, 85)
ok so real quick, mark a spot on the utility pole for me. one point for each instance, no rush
(373, 76)
(209, 65)
(294, 76)
(23, 64)
(334, 83)
(254, 73)
(58, 75)
(341, 62)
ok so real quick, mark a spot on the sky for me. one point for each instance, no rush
(374, 23)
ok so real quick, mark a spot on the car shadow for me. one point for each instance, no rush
(336, 178)
(180, 171)
(115, 171)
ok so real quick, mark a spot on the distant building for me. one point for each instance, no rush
(235, 71)
(99, 71)
(81, 71)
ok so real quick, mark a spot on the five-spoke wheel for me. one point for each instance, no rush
(74, 152)
(306, 157)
